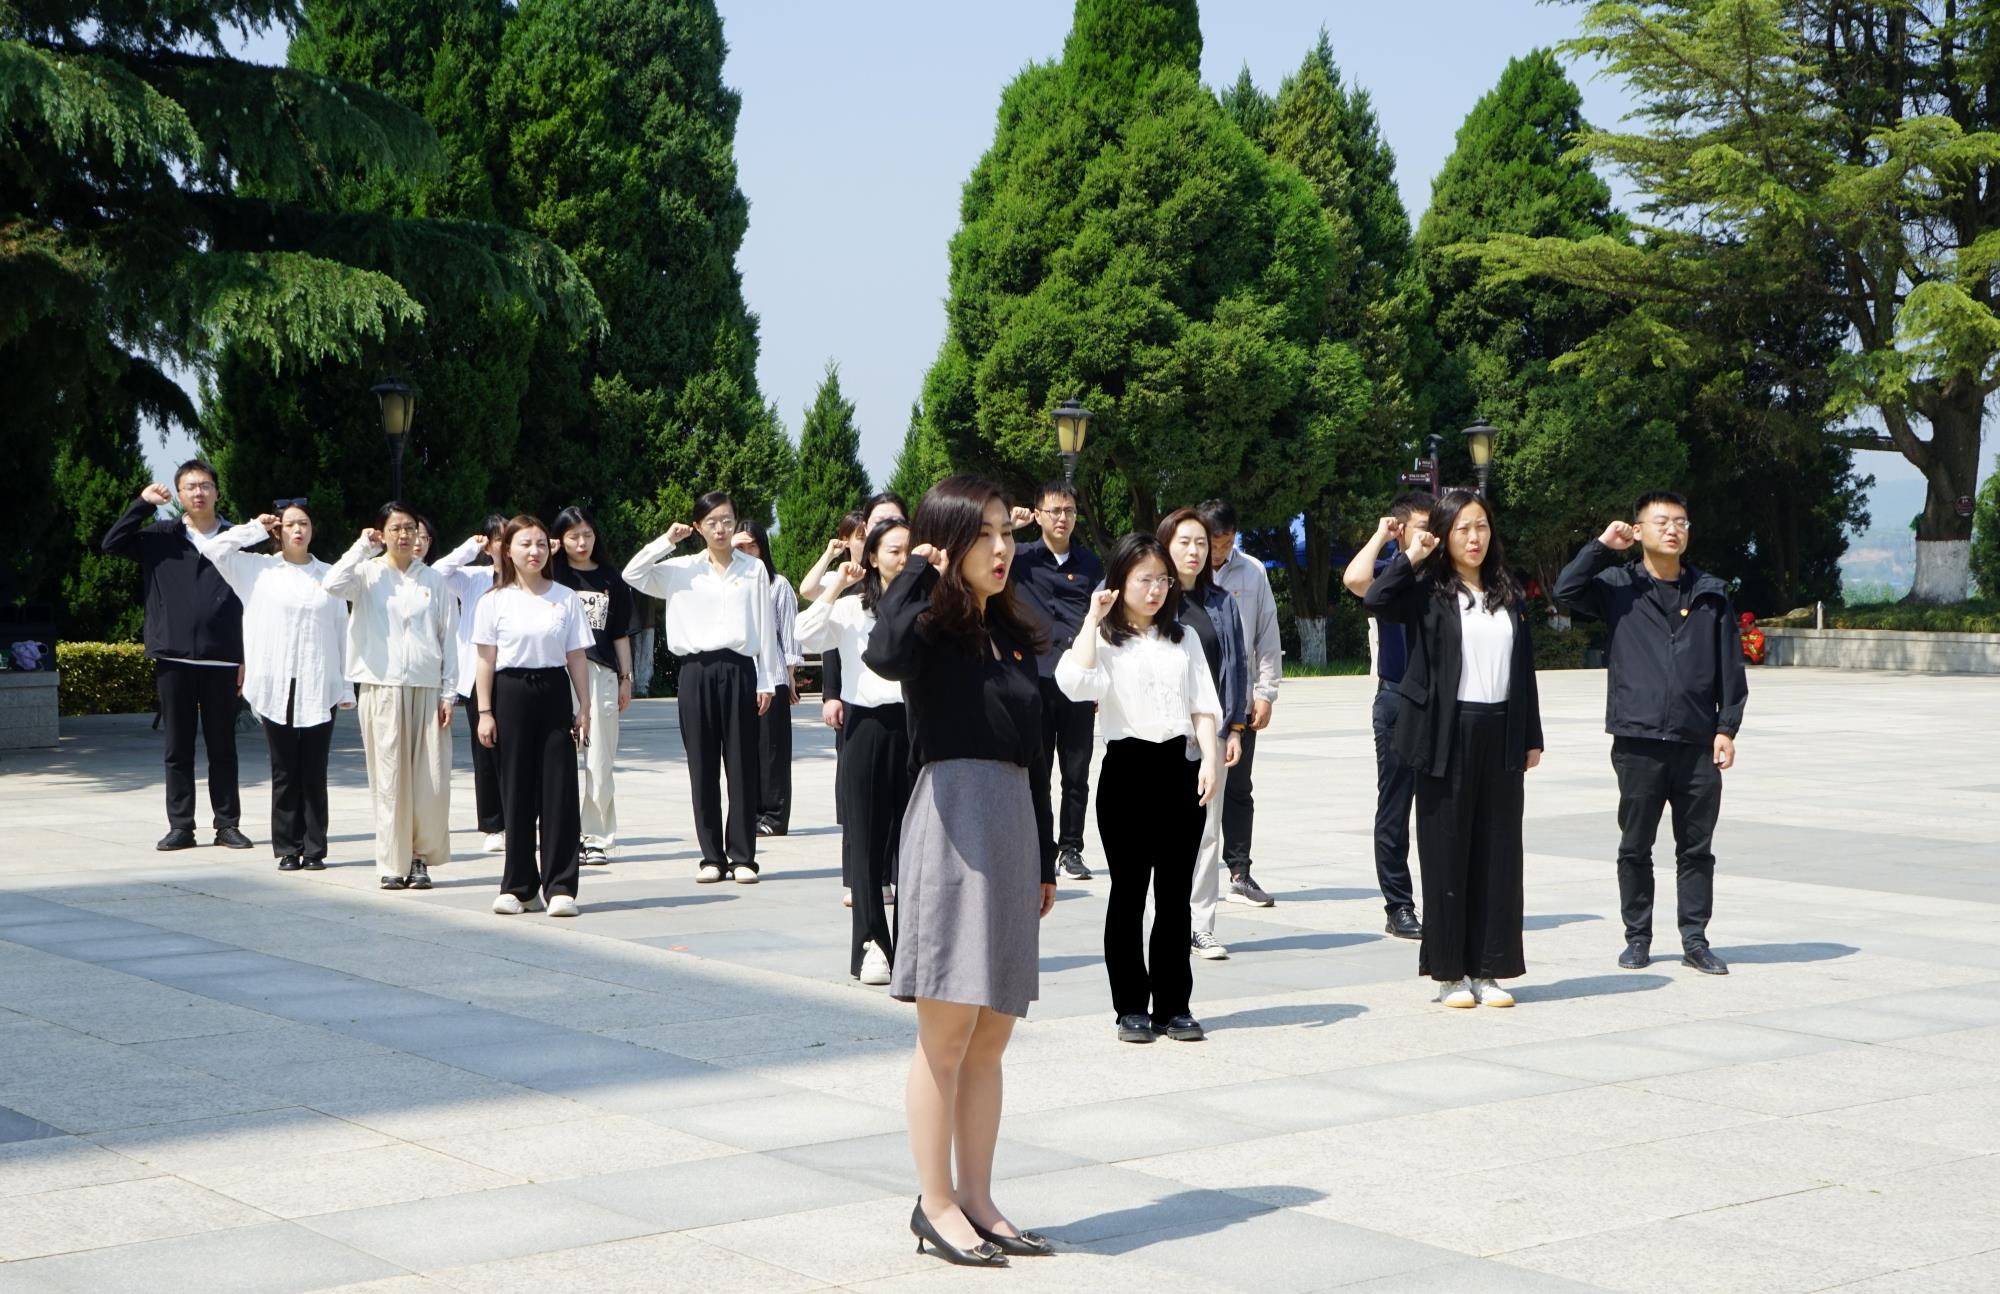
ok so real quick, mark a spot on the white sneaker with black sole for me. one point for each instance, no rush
(1207, 947)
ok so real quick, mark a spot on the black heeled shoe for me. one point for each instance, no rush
(985, 1254)
(1026, 1245)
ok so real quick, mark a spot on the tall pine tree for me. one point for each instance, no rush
(827, 482)
(922, 462)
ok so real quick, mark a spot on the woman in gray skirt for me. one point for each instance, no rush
(974, 882)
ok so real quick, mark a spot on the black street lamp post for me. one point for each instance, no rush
(1072, 425)
(399, 410)
(1479, 440)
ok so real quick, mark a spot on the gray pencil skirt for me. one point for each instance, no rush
(969, 896)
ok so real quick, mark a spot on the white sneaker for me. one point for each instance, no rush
(743, 875)
(561, 905)
(496, 843)
(506, 905)
(708, 875)
(1456, 993)
(1490, 993)
(1207, 947)
(874, 966)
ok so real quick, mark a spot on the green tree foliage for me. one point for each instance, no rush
(1573, 449)
(922, 462)
(1986, 537)
(1825, 156)
(827, 482)
(1124, 243)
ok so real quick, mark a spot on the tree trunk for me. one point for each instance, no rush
(1309, 604)
(1312, 640)
(1951, 472)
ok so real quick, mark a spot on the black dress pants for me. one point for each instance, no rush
(774, 763)
(1469, 849)
(533, 710)
(1653, 775)
(1395, 786)
(298, 783)
(485, 772)
(1150, 822)
(718, 714)
(203, 695)
(872, 786)
(1067, 729)
(1238, 808)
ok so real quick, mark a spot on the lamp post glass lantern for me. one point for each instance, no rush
(399, 409)
(1072, 426)
(1479, 441)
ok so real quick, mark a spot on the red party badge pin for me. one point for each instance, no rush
(1017, 655)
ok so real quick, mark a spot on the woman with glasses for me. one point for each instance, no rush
(717, 619)
(294, 673)
(468, 569)
(1470, 723)
(1156, 700)
(608, 607)
(402, 655)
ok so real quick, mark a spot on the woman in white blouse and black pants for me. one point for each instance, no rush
(718, 622)
(294, 671)
(1157, 711)
(872, 780)
(470, 582)
(534, 701)
(774, 726)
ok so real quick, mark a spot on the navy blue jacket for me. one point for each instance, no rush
(1233, 670)
(190, 612)
(1061, 594)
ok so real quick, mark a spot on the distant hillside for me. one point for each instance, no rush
(1881, 562)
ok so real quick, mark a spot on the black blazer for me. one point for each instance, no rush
(1427, 696)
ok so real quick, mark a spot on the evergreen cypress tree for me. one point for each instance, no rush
(826, 483)
(922, 462)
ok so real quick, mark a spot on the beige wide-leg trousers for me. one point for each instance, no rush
(409, 774)
(600, 812)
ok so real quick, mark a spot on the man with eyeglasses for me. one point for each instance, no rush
(194, 636)
(1676, 692)
(1056, 574)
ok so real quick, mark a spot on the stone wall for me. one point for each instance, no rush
(1884, 649)
(28, 708)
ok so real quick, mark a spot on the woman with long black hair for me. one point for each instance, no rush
(468, 570)
(774, 726)
(872, 781)
(1157, 710)
(581, 565)
(976, 859)
(1469, 721)
(534, 704)
(718, 621)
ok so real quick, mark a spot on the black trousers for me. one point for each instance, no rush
(872, 786)
(298, 783)
(203, 695)
(1469, 849)
(1150, 823)
(718, 713)
(1653, 775)
(1067, 729)
(533, 710)
(1238, 808)
(485, 772)
(774, 762)
(1395, 786)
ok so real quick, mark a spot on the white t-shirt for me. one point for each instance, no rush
(530, 631)
(1486, 649)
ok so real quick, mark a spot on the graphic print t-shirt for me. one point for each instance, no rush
(608, 608)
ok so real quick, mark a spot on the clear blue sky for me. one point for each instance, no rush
(861, 122)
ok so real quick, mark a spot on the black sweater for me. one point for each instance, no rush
(1060, 592)
(190, 612)
(963, 706)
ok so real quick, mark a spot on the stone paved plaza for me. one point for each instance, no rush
(216, 1077)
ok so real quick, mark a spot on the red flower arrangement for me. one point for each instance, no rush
(1753, 639)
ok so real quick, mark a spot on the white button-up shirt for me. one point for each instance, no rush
(1145, 687)
(293, 630)
(710, 610)
(469, 584)
(403, 630)
(844, 627)
(785, 622)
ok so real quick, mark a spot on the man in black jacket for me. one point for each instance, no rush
(194, 635)
(1677, 688)
(1057, 574)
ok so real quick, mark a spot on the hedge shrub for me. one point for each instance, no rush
(104, 678)
(1979, 616)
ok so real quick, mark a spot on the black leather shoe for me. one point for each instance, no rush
(1135, 1028)
(394, 883)
(313, 864)
(1704, 961)
(289, 863)
(1028, 1244)
(231, 838)
(1638, 955)
(178, 838)
(420, 875)
(1403, 924)
(1182, 1028)
(983, 1254)
(1069, 863)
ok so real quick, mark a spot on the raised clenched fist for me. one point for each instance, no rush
(1101, 603)
(1618, 535)
(1419, 545)
(851, 574)
(679, 531)
(156, 494)
(1022, 517)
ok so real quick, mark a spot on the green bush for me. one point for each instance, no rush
(104, 678)
(1338, 668)
(1979, 616)
(1986, 537)
(1558, 648)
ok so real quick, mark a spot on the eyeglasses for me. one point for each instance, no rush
(1060, 514)
(282, 504)
(407, 529)
(199, 487)
(1157, 582)
(725, 525)
(1669, 523)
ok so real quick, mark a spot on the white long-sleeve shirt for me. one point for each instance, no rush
(1244, 578)
(403, 630)
(1145, 687)
(844, 627)
(707, 610)
(469, 584)
(785, 621)
(293, 630)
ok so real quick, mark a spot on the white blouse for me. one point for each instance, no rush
(844, 627)
(785, 622)
(1486, 649)
(468, 583)
(292, 629)
(532, 631)
(1146, 687)
(403, 630)
(711, 611)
